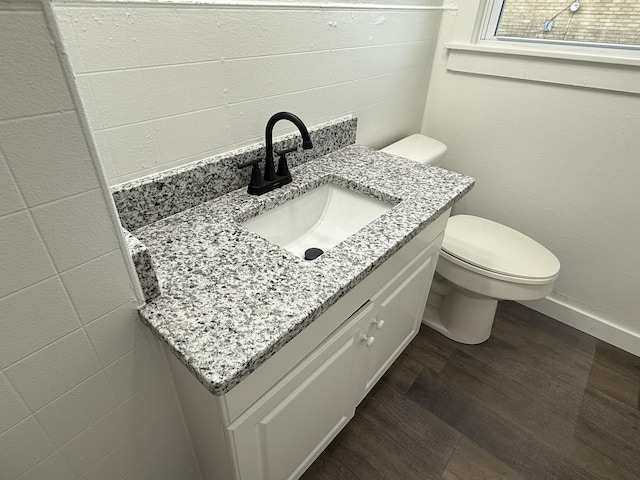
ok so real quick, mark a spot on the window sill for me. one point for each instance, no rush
(597, 68)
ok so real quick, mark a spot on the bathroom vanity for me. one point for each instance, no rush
(272, 353)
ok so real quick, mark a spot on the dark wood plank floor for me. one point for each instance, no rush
(538, 400)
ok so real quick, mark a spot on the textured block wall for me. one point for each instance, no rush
(167, 85)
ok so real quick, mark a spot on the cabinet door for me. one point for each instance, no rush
(398, 309)
(286, 430)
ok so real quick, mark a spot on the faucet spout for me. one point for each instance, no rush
(271, 180)
(269, 167)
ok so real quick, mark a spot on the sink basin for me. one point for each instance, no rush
(321, 218)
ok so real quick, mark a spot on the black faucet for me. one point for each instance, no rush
(273, 179)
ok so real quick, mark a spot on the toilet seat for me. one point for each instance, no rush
(480, 263)
(497, 251)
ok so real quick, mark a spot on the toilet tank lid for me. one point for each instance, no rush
(419, 148)
(498, 248)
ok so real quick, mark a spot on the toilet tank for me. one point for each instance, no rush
(419, 148)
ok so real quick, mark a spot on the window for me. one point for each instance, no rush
(603, 23)
(481, 44)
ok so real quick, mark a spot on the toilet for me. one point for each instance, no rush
(480, 263)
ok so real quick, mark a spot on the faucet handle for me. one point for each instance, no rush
(256, 176)
(282, 153)
(283, 168)
(250, 163)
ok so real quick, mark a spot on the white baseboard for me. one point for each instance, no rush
(586, 320)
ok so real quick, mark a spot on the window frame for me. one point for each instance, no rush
(491, 19)
(564, 63)
(490, 28)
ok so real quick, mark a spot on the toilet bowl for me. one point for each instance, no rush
(480, 263)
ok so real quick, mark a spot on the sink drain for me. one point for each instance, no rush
(312, 253)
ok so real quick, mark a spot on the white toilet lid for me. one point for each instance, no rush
(497, 248)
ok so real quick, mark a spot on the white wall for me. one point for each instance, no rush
(559, 163)
(167, 85)
(84, 391)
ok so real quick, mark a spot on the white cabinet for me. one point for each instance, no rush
(276, 422)
(397, 312)
(288, 427)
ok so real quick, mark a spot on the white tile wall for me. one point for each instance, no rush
(135, 370)
(87, 284)
(277, 74)
(67, 309)
(77, 409)
(94, 443)
(133, 147)
(205, 93)
(147, 404)
(29, 325)
(252, 33)
(200, 131)
(13, 408)
(33, 87)
(48, 156)
(75, 243)
(202, 43)
(123, 459)
(49, 372)
(119, 461)
(88, 102)
(116, 334)
(54, 467)
(10, 199)
(198, 80)
(175, 449)
(157, 35)
(24, 262)
(104, 38)
(100, 139)
(167, 100)
(16, 459)
(119, 96)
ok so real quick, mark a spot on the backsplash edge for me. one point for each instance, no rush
(149, 199)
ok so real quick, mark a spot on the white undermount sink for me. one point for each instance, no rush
(321, 218)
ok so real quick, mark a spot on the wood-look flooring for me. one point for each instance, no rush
(538, 400)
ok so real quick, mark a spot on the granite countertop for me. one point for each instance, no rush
(231, 299)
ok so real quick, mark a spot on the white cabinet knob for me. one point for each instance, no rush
(369, 340)
(378, 323)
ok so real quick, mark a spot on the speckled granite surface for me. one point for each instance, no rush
(155, 197)
(144, 266)
(231, 299)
